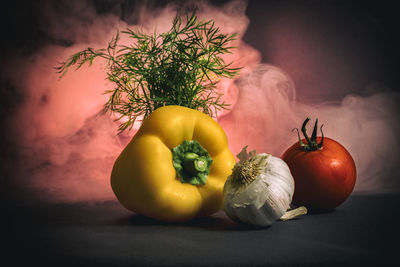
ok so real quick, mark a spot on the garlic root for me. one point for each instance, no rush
(291, 214)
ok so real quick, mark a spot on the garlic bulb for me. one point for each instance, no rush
(259, 190)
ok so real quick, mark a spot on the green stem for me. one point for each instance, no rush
(194, 164)
(191, 162)
(314, 133)
(312, 143)
(304, 131)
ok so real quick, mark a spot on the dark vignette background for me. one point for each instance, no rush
(359, 44)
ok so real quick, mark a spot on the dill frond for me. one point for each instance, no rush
(179, 67)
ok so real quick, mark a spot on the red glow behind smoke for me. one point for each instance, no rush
(68, 149)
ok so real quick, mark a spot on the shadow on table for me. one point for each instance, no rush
(319, 211)
(216, 222)
(211, 223)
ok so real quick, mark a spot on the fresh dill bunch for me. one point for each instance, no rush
(179, 67)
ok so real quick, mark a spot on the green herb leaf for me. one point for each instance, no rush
(179, 67)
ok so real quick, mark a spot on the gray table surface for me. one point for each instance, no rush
(362, 231)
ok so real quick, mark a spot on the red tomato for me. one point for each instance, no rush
(324, 178)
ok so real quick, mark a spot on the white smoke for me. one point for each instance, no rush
(68, 149)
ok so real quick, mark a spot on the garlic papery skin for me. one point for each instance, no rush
(259, 190)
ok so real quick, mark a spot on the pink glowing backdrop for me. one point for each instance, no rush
(68, 150)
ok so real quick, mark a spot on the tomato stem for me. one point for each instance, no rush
(304, 131)
(314, 132)
(312, 143)
(322, 137)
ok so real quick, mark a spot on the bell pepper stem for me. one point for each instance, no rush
(194, 164)
(191, 162)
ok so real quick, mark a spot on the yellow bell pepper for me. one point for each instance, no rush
(175, 167)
